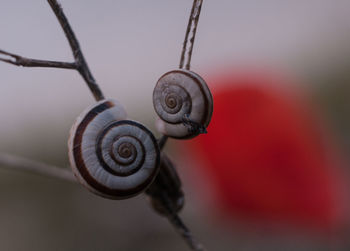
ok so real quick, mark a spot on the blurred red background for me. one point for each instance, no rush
(268, 157)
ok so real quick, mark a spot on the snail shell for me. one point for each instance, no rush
(179, 94)
(111, 156)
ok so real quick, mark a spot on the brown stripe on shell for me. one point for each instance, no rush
(99, 150)
(101, 189)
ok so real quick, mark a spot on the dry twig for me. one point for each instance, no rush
(167, 199)
(180, 227)
(13, 162)
(192, 25)
(29, 62)
(82, 66)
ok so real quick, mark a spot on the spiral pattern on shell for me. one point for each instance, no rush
(111, 156)
(181, 94)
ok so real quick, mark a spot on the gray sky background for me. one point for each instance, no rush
(130, 44)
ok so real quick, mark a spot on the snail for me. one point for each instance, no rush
(184, 104)
(111, 156)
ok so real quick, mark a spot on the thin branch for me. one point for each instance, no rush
(30, 62)
(13, 162)
(82, 66)
(167, 199)
(186, 234)
(195, 16)
(172, 216)
(180, 226)
(192, 25)
(162, 141)
(189, 25)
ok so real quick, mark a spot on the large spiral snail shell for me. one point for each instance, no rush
(179, 95)
(111, 156)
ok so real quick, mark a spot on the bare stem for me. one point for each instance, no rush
(189, 25)
(192, 25)
(186, 234)
(30, 62)
(195, 16)
(13, 162)
(162, 141)
(180, 226)
(82, 66)
(167, 199)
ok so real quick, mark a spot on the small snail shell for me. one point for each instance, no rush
(111, 156)
(179, 94)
